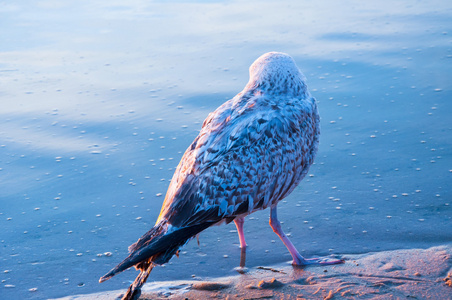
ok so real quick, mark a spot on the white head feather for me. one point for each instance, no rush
(276, 72)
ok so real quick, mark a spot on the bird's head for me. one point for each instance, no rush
(276, 72)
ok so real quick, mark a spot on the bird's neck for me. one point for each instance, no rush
(277, 85)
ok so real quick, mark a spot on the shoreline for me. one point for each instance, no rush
(408, 273)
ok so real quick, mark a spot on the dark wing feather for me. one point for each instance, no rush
(158, 247)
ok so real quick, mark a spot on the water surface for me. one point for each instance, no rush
(99, 101)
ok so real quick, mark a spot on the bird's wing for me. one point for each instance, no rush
(245, 158)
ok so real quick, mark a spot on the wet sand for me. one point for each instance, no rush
(398, 274)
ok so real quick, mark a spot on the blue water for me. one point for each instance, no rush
(99, 101)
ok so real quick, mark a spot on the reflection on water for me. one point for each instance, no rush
(99, 101)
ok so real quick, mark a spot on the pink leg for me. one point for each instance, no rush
(239, 224)
(297, 258)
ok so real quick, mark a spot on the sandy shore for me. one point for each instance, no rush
(400, 274)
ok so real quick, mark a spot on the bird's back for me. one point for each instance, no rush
(251, 153)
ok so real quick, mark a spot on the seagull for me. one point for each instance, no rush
(251, 153)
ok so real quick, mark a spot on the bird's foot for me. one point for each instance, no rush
(301, 261)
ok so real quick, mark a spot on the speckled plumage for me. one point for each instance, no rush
(251, 152)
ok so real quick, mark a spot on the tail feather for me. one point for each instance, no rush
(157, 230)
(161, 247)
